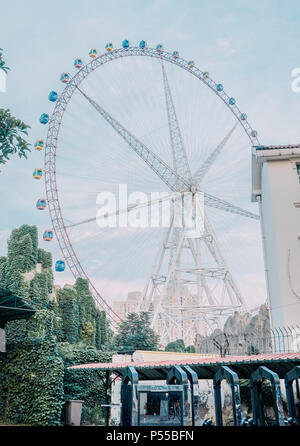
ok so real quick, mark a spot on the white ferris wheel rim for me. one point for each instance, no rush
(51, 146)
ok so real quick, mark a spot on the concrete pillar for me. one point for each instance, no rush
(73, 412)
(2, 341)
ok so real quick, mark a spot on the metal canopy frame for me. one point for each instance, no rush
(232, 378)
(13, 307)
(290, 377)
(255, 387)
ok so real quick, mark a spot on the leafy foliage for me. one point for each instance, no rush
(135, 333)
(31, 383)
(175, 346)
(3, 67)
(66, 331)
(178, 346)
(12, 130)
(11, 136)
(84, 385)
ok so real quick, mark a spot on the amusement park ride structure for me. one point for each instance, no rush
(175, 309)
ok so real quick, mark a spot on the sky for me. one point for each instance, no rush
(251, 46)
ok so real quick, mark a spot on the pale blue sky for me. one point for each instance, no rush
(250, 46)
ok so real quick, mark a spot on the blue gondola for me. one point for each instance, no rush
(159, 48)
(231, 101)
(60, 265)
(142, 44)
(206, 74)
(220, 87)
(125, 44)
(44, 119)
(41, 204)
(175, 54)
(48, 236)
(254, 133)
(243, 116)
(53, 96)
(191, 63)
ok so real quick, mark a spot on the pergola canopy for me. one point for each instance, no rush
(204, 367)
(13, 307)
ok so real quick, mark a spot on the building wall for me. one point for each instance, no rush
(281, 237)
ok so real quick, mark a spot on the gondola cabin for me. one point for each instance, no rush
(78, 63)
(205, 74)
(39, 144)
(175, 54)
(48, 236)
(231, 101)
(93, 53)
(41, 204)
(159, 48)
(60, 265)
(220, 87)
(53, 96)
(142, 44)
(191, 63)
(125, 44)
(44, 119)
(243, 116)
(64, 77)
(254, 133)
(109, 46)
(37, 174)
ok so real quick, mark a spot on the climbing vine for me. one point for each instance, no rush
(66, 329)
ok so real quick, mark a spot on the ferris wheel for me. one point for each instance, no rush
(139, 116)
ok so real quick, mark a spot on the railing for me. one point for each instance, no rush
(277, 340)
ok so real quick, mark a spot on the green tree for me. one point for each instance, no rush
(135, 333)
(175, 346)
(12, 130)
(3, 67)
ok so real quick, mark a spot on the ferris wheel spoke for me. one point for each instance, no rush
(180, 160)
(168, 175)
(130, 208)
(202, 171)
(214, 202)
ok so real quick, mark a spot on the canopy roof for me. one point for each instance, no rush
(204, 367)
(13, 307)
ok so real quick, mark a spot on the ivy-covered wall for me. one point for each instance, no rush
(34, 380)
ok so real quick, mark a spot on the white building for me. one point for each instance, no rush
(276, 186)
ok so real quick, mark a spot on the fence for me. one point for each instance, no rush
(277, 340)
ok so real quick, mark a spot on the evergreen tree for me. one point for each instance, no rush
(135, 333)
